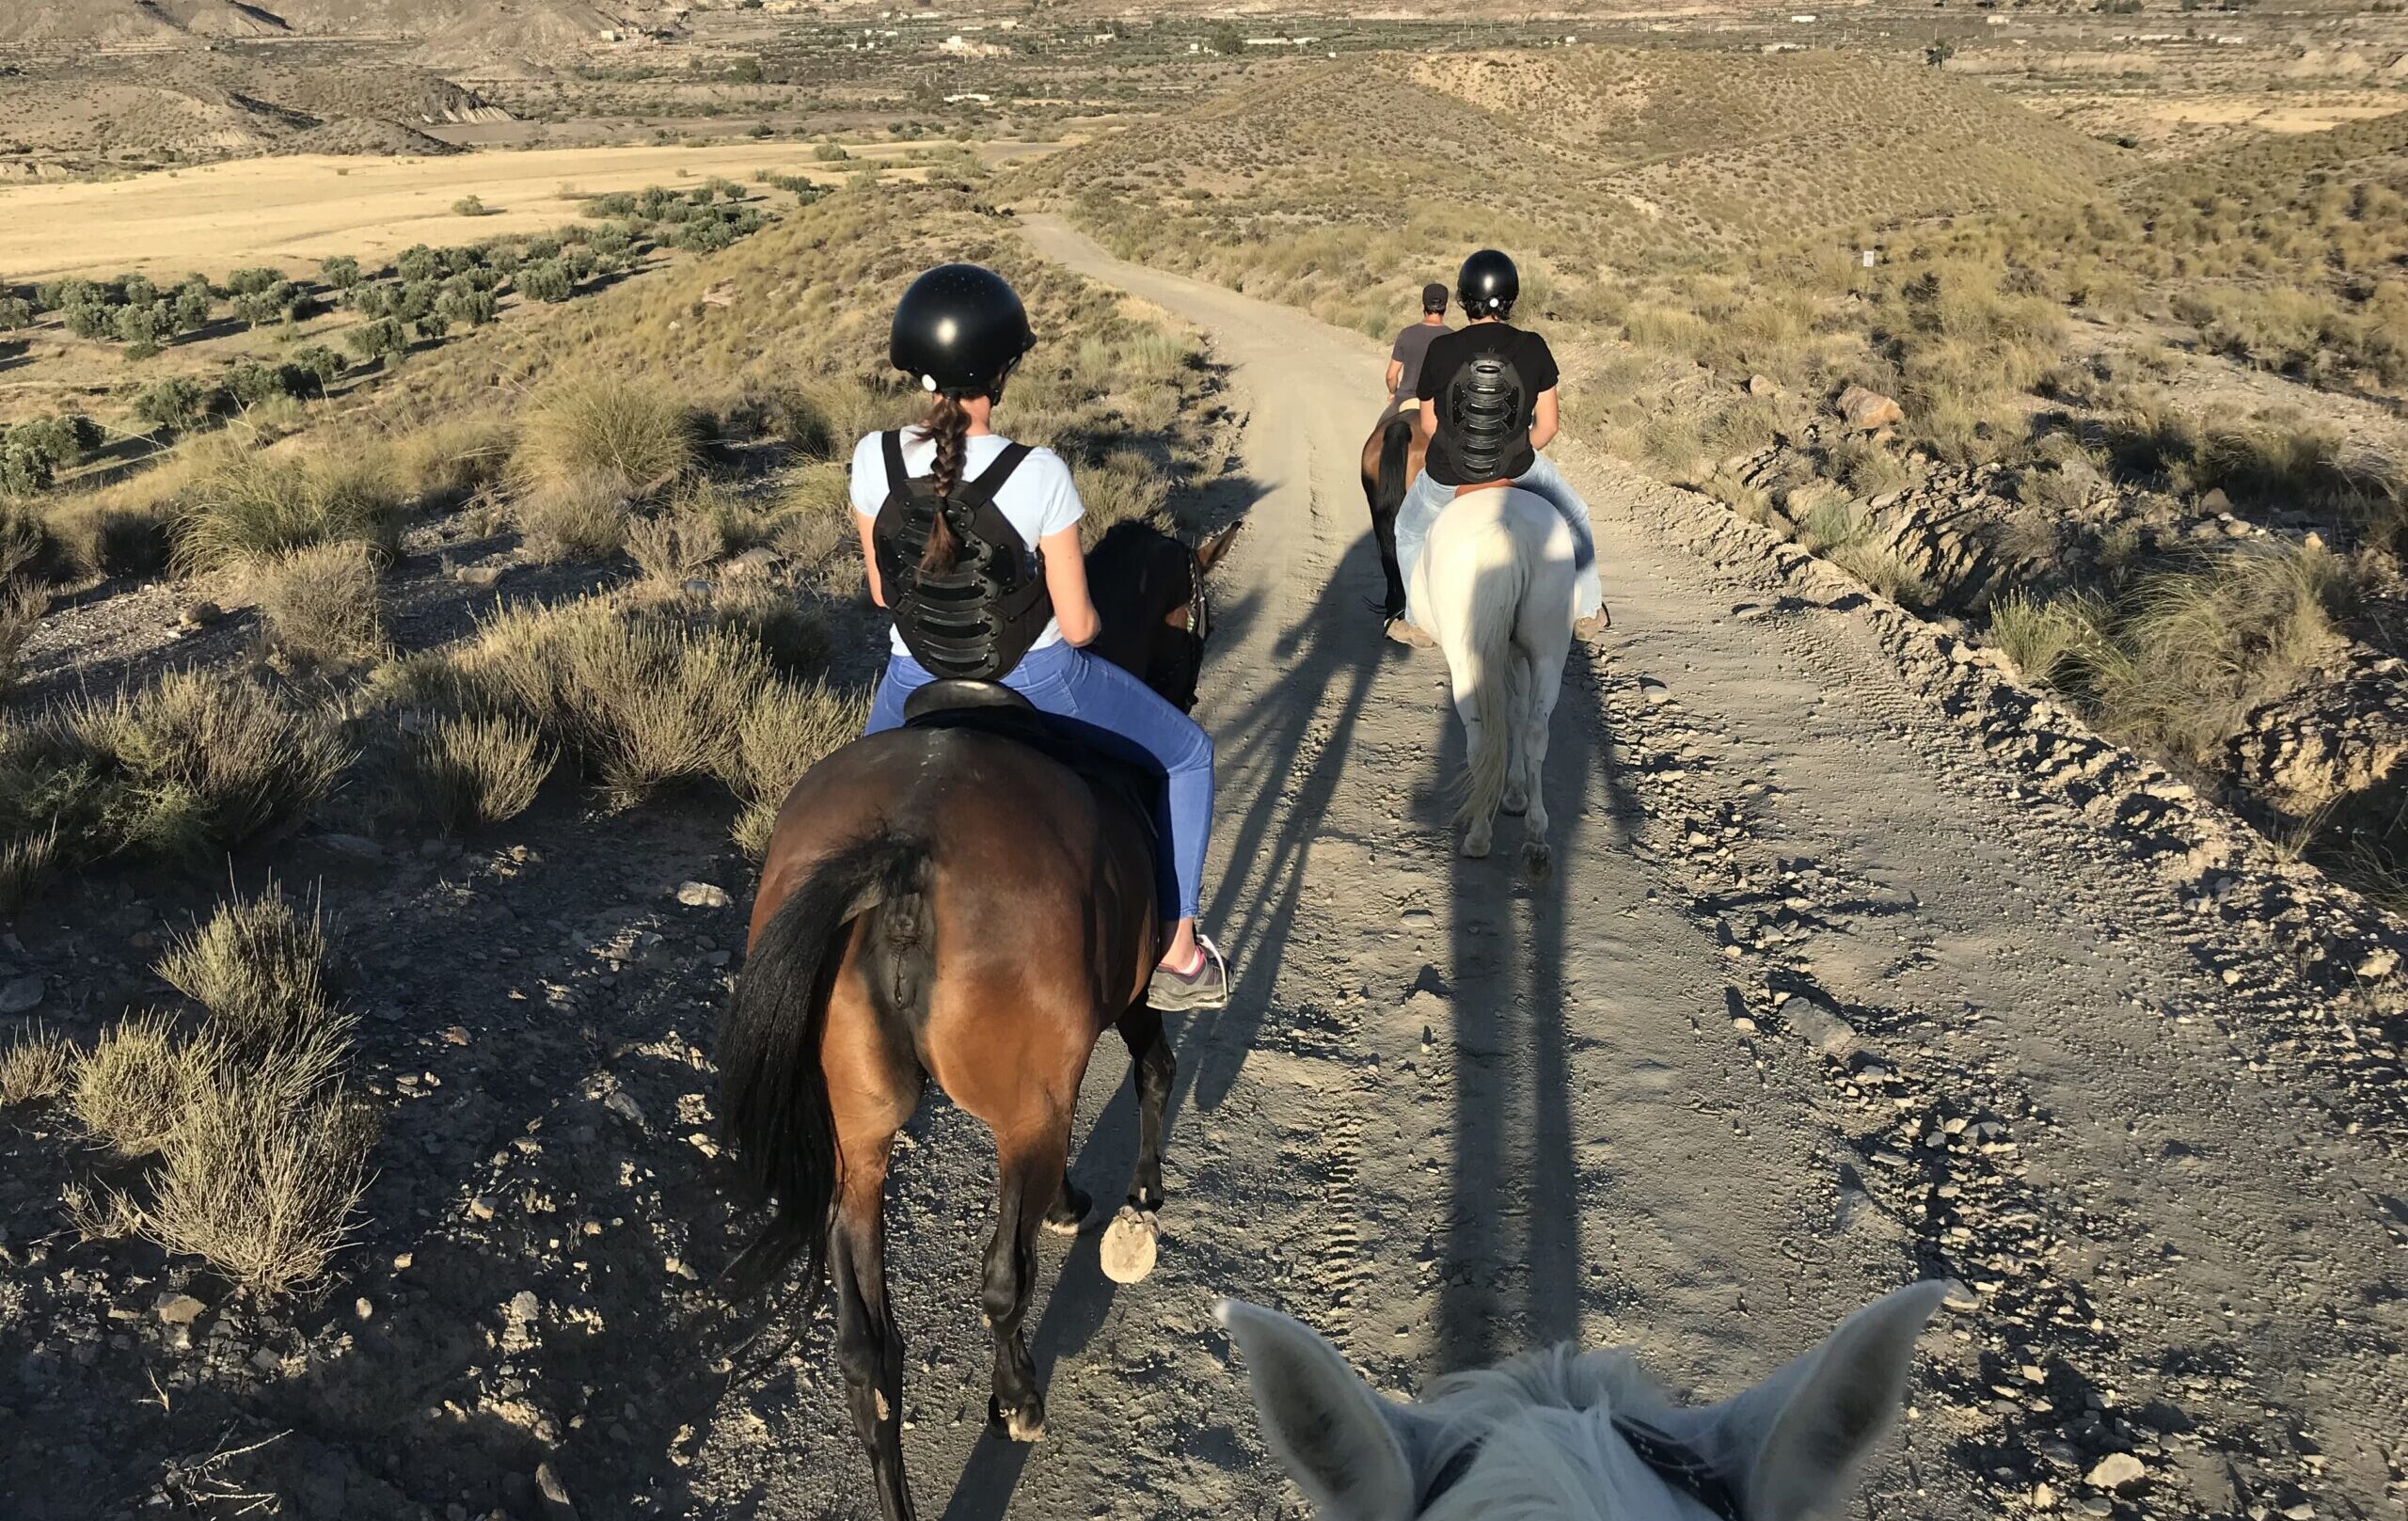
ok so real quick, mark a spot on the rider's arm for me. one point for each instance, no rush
(1542, 419)
(869, 558)
(1066, 582)
(1396, 372)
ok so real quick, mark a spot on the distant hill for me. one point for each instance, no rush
(453, 31)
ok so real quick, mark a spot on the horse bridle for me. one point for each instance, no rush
(1668, 1458)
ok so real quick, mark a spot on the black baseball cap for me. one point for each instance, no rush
(1434, 297)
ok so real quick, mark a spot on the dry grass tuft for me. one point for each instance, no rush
(22, 605)
(476, 769)
(584, 518)
(259, 966)
(131, 1090)
(320, 604)
(784, 733)
(2193, 652)
(608, 434)
(261, 1187)
(24, 864)
(2041, 640)
(251, 506)
(37, 1067)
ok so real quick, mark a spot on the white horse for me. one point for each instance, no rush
(1494, 586)
(1559, 1436)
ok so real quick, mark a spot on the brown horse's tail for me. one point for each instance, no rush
(1396, 447)
(772, 1090)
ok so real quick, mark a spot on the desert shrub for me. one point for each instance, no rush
(25, 862)
(132, 1088)
(194, 760)
(795, 634)
(786, 731)
(259, 966)
(1887, 572)
(673, 545)
(37, 1067)
(321, 364)
(253, 506)
(320, 603)
(101, 539)
(341, 271)
(470, 206)
(640, 701)
(253, 281)
(1867, 467)
(28, 550)
(382, 338)
(15, 313)
(172, 404)
(253, 382)
(629, 439)
(473, 770)
(451, 457)
(545, 280)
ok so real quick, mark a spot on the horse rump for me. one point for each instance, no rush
(773, 1091)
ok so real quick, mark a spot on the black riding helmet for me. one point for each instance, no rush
(959, 330)
(1489, 284)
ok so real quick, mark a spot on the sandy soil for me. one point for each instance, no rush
(302, 208)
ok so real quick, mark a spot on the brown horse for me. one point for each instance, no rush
(950, 902)
(1391, 458)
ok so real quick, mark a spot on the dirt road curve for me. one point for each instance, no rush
(1821, 999)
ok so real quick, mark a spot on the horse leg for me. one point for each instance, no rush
(1466, 676)
(1134, 1235)
(869, 1346)
(1551, 642)
(1384, 487)
(1028, 1175)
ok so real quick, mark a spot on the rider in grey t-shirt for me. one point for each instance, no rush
(1404, 359)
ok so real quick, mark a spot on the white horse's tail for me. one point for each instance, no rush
(1499, 575)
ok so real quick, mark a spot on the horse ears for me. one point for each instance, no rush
(1336, 1439)
(1208, 553)
(1793, 1442)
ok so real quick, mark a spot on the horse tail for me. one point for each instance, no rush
(772, 1088)
(1396, 447)
(1494, 580)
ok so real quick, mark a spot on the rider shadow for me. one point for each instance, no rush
(1513, 1216)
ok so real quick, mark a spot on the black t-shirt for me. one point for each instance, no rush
(1531, 358)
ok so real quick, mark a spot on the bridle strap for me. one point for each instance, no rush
(1672, 1461)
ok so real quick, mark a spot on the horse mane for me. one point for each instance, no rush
(1543, 1425)
(1136, 575)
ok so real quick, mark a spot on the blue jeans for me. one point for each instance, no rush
(1124, 718)
(1428, 499)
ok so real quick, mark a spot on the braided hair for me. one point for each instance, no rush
(948, 423)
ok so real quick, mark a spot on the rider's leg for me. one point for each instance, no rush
(903, 677)
(1414, 520)
(1101, 696)
(1544, 480)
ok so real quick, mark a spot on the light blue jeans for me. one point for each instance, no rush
(1121, 716)
(1428, 499)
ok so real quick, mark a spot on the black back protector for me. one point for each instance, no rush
(974, 622)
(1487, 403)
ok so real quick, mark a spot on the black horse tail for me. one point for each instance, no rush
(1396, 447)
(773, 1092)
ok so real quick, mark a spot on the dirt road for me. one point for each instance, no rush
(1822, 998)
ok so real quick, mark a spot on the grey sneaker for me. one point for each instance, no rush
(1402, 632)
(1209, 987)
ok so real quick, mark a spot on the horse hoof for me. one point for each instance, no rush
(1130, 1246)
(1476, 846)
(1069, 1213)
(1026, 1425)
(1538, 861)
(1515, 804)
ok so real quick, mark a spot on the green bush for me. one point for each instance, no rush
(341, 271)
(253, 507)
(172, 404)
(546, 281)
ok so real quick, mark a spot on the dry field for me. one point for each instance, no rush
(301, 208)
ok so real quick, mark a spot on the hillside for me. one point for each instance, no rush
(466, 30)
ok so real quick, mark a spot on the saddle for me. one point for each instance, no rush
(990, 707)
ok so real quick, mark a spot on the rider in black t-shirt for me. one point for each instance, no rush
(1488, 407)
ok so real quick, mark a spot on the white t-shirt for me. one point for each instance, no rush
(1038, 499)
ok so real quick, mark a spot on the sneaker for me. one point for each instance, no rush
(1587, 629)
(1402, 632)
(1207, 987)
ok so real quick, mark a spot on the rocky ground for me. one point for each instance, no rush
(1861, 964)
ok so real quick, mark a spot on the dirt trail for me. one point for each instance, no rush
(1822, 998)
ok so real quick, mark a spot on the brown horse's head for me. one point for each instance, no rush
(1149, 593)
